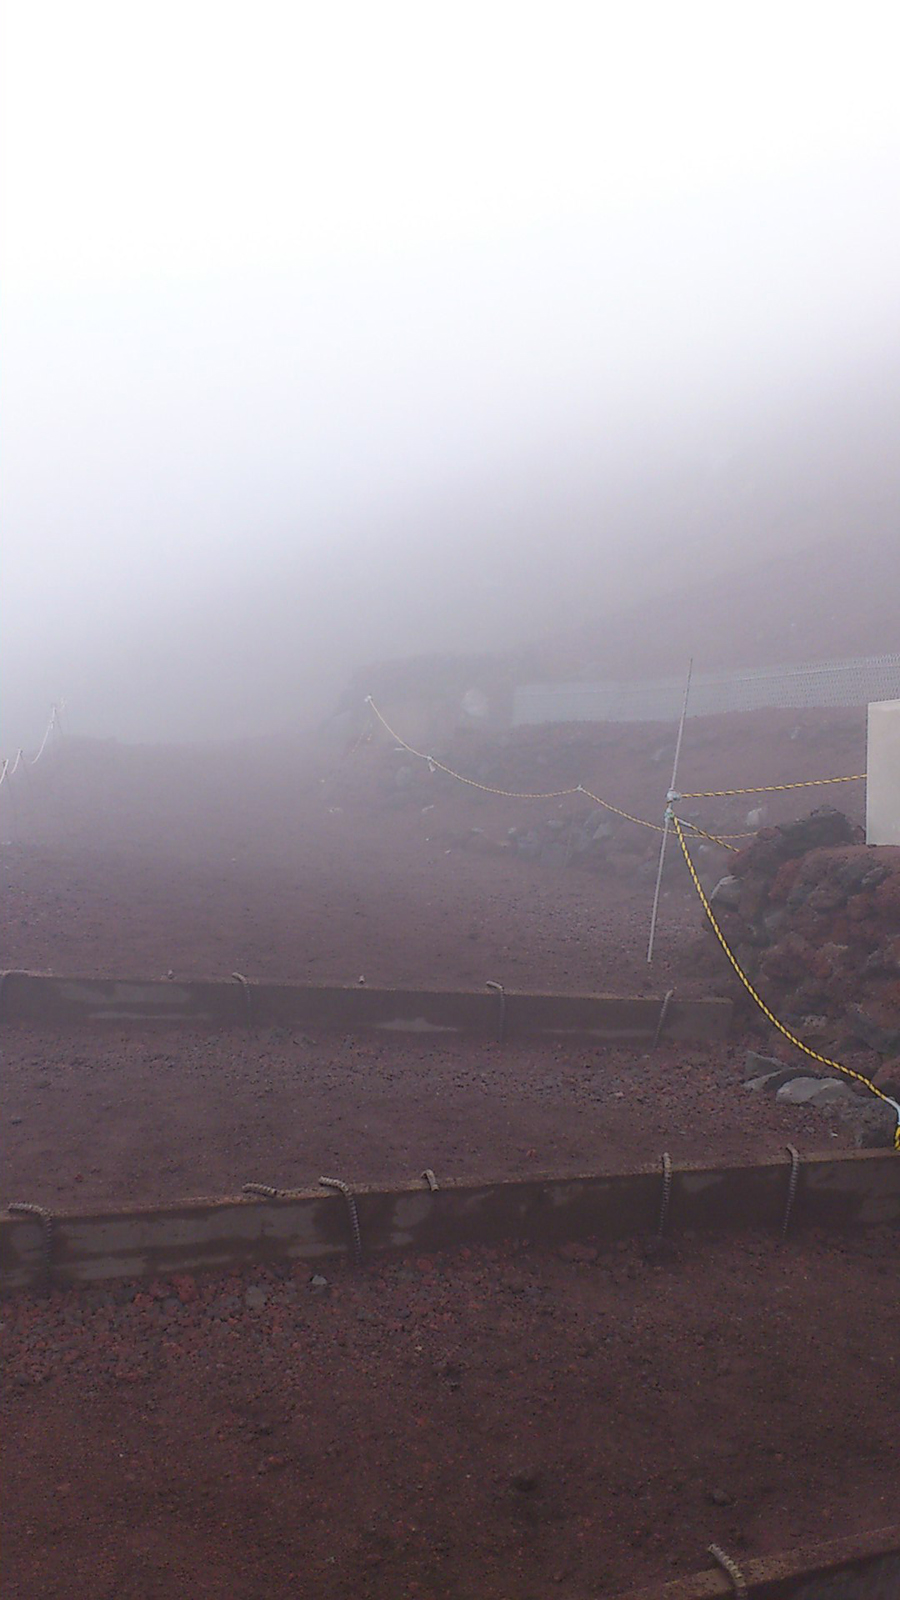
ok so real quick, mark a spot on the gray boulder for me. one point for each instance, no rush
(727, 893)
(799, 1091)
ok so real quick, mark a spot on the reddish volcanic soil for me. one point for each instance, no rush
(100, 1116)
(136, 862)
(490, 1423)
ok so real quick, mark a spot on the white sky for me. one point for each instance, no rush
(281, 280)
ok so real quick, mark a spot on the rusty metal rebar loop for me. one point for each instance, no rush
(732, 1569)
(666, 1193)
(793, 1180)
(247, 991)
(663, 1014)
(25, 1208)
(499, 989)
(353, 1213)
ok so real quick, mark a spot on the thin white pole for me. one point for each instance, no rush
(665, 836)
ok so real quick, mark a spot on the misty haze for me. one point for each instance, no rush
(449, 793)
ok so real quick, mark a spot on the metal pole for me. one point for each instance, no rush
(665, 837)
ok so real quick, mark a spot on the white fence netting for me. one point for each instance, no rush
(829, 683)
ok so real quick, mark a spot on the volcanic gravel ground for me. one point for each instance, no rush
(490, 1423)
(99, 1116)
(133, 862)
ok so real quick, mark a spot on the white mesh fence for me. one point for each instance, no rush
(829, 683)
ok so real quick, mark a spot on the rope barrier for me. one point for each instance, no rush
(50, 727)
(473, 783)
(7, 771)
(769, 788)
(508, 794)
(719, 838)
(786, 1033)
(617, 810)
(578, 789)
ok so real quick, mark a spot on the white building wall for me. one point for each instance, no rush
(883, 773)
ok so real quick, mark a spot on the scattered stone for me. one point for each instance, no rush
(719, 1497)
(256, 1297)
(582, 1254)
(755, 1064)
(831, 1092)
(887, 1078)
(864, 1026)
(318, 1283)
(876, 1125)
(727, 893)
(799, 1091)
(822, 829)
(774, 1082)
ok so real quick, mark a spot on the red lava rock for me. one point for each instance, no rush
(582, 1254)
(185, 1288)
(887, 1078)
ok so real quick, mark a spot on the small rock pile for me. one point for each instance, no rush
(812, 915)
(598, 842)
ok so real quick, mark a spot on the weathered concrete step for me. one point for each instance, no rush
(863, 1567)
(489, 1013)
(832, 1191)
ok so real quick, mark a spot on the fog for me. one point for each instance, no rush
(335, 334)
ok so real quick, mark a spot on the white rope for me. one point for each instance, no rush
(22, 760)
(50, 727)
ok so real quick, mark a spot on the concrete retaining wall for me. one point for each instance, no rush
(864, 1567)
(857, 1189)
(34, 998)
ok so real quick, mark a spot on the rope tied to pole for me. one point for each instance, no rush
(814, 1055)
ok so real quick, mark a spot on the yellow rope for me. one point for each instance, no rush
(715, 837)
(617, 810)
(560, 794)
(814, 1055)
(770, 788)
